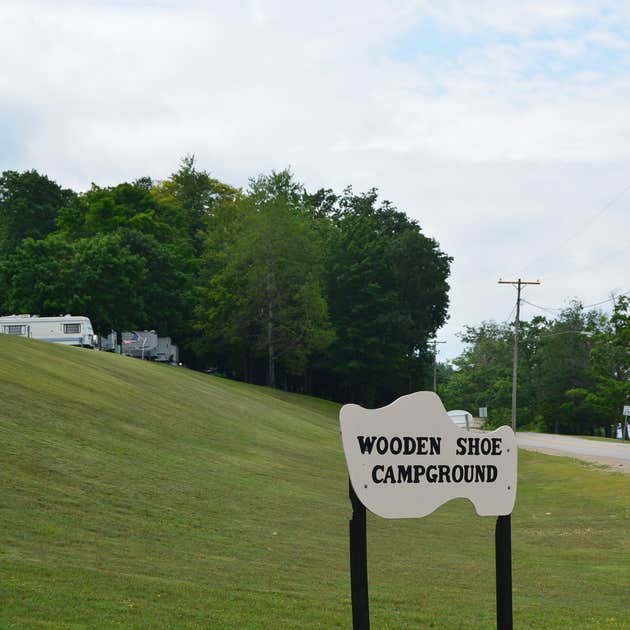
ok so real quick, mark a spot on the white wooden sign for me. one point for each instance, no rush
(626, 410)
(407, 459)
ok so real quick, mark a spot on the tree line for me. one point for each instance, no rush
(573, 371)
(331, 294)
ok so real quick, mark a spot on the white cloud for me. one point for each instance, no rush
(499, 146)
(515, 18)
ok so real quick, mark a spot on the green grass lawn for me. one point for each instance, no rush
(139, 495)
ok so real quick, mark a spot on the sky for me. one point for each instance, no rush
(502, 127)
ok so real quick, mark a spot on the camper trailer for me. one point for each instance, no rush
(139, 343)
(107, 343)
(142, 344)
(465, 420)
(70, 330)
(166, 351)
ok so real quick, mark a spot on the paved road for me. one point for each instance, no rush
(612, 454)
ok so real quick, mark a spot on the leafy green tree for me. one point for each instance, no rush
(556, 383)
(610, 357)
(121, 207)
(388, 294)
(29, 204)
(198, 196)
(165, 288)
(563, 358)
(151, 230)
(98, 276)
(443, 373)
(265, 295)
(122, 280)
(483, 373)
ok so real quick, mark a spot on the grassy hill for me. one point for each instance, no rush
(141, 495)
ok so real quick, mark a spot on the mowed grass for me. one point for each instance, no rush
(139, 495)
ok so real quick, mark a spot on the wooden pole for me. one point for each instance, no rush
(435, 342)
(519, 284)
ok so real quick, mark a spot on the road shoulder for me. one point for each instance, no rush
(612, 463)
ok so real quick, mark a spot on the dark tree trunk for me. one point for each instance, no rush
(271, 367)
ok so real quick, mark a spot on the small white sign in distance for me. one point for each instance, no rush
(626, 410)
(483, 412)
(407, 459)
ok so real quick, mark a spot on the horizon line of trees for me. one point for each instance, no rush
(329, 294)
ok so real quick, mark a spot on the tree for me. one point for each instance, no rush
(197, 195)
(610, 357)
(563, 358)
(150, 230)
(29, 204)
(123, 280)
(558, 384)
(98, 276)
(388, 294)
(266, 293)
(483, 373)
(165, 288)
(121, 207)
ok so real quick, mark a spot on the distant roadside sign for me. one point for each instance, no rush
(626, 410)
(483, 412)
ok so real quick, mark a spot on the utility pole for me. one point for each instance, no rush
(435, 343)
(518, 284)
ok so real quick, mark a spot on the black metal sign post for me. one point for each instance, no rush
(359, 570)
(358, 564)
(503, 553)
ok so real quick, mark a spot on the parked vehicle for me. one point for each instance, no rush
(461, 417)
(108, 343)
(166, 351)
(465, 420)
(70, 330)
(76, 330)
(142, 344)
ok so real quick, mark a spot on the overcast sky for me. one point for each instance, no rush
(503, 127)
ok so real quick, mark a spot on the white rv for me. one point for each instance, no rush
(71, 330)
(462, 418)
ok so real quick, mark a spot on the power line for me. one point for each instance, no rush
(600, 303)
(542, 308)
(610, 299)
(582, 227)
(566, 332)
(511, 313)
(550, 309)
